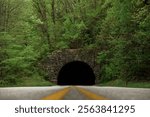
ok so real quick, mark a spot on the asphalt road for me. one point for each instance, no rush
(118, 93)
(36, 93)
(74, 94)
(27, 93)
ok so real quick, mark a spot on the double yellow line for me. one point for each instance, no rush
(59, 95)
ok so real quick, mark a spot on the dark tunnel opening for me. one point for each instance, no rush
(76, 73)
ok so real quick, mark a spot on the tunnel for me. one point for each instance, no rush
(76, 73)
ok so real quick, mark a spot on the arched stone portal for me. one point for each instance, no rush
(53, 62)
(76, 73)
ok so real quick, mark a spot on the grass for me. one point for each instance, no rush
(34, 82)
(121, 83)
(27, 82)
(139, 84)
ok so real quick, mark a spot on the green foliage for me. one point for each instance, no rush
(126, 35)
(121, 83)
(30, 29)
(19, 45)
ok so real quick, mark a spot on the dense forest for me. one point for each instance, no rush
(30, 29)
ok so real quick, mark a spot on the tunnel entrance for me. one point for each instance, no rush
(76, 73)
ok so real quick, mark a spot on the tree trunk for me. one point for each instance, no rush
(53, 11)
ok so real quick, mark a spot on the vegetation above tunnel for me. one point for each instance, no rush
(30, 29)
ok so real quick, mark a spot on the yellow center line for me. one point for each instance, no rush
(57, 95)
(91, 95)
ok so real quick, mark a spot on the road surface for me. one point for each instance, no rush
(74, 93)
(118, 93)
(27, 93)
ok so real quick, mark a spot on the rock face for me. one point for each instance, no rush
(53, 63)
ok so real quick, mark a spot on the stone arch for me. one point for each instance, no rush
(53, 63)
(76, 73)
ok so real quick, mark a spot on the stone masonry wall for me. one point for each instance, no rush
(56, 60)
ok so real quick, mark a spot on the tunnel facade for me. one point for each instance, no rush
(53, 63)
(76, 73)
